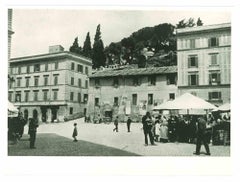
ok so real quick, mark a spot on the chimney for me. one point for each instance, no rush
(56, 48)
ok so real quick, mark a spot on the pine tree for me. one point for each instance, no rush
(98, 56)
(199, 22)
(75, 47)
(87, 48)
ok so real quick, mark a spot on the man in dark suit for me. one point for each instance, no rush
(201, 136)
(129, 123)
(147, 128)
(33, 124)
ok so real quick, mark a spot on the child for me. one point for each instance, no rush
(75, 132)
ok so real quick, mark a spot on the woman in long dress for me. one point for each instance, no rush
(164, 130)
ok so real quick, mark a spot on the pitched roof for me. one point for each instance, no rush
(135, 71)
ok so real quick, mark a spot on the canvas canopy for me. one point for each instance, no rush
(186, 101)
(12, 110)
(224, 108)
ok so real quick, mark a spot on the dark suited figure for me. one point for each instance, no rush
(116, 124)
(147, 128)
(33, 124)
(129, 123)
(201, 136)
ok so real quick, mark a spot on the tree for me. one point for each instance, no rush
(98, 56)
(190, 22)
(75, 47)
(181, 24)
(87, 48)
(199, 22)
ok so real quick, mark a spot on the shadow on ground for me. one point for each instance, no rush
(55, 145)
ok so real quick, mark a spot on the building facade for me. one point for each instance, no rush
(130, 91)
(50, 86)
(10, 31)
(204, 62)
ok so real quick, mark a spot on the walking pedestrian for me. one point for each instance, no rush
(201, 136)
(147, 128)
(75, 132)
(129, 121)
(33, 124)
(116, 124)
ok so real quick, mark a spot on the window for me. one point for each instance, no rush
(79, 97)
(55, 79)
(192, 43)
(151, 80)
(46, 67)
(36, 67)
(72, 81)
(96, 101)
(172, 96)
(36, 79)
(79, 82)
(71, 110)
(56, 65)
(18, 97)
(80, 68)
(45, 95)
(213, 42)
(19, 70)
(35, 95)
(214, 96)
(46, 80)
(150, 99)
(213, 59)
(115, 101)
(26, 96)
(97, 82)
(85, 98)
(86, 70)
(71, 96)
(19, 82)
(136, 81)
(86, 83)
(171, 79)
(115, 82)
(214, 78)
(10, 96)
(72, 66)
(55, 94)
(134, 99)
(193, 79)
(192, 61)
(28, 69)
(27, 81)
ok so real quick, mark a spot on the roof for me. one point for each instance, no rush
(203, 28)
(50, 56)
(135, 71)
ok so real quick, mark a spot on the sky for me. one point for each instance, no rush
(37, 29)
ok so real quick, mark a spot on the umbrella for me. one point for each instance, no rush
(186, 101)
(224, 108)
(12, 110)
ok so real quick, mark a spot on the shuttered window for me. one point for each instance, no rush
(214, 95)
(193, 79)
(192, 61)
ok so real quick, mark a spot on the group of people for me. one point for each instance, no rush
(160, 129)
(16, 129)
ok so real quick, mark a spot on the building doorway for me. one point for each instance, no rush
(54, 113)
(44, 114)
(35, 114)
(25, 114)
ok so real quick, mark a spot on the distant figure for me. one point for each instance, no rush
(75, 133)
(33, 124)
(201, 136)
(22, 123)
(157, 130)
(116, 124)
(129, 121)
(147, 128)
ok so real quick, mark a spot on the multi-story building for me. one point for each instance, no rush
(10, 31)
(204, 62)
(50, 86)
(130, 91)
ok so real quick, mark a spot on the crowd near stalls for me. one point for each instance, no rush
(182, 127)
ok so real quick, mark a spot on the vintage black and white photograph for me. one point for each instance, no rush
(119, 82)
